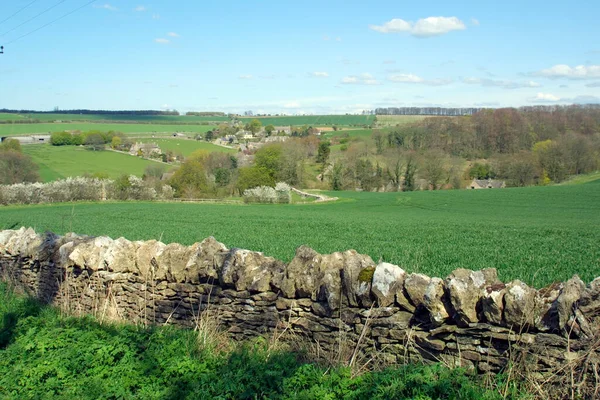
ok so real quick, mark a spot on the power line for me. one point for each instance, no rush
(53, 21)
(3, 21)
(34, 17)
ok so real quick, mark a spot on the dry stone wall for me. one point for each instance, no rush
(334, 301)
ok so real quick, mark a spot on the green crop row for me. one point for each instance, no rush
(538, 234)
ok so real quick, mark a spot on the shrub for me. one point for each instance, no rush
(83, 189)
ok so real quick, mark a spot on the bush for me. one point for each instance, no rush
(83, 189)
(266, 194)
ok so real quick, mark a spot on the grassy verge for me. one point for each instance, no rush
(45, 355)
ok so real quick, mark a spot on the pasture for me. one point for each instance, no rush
(45, 128)
(186, 146)
(314, 120)
(393, 120)
(537, 234)
(58, 162)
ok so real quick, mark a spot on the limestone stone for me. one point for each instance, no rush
(416, 286)
(300, 275)
(434, 301)
(465, 288)
(247, 270)
(569, 295)
(146, 255)
(201, 266)
(519, 305)
(492, 303)
(357, 275)
(388, 279)
(545, 307)
(590, 298)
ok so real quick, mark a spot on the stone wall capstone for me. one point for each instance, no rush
(470, 318)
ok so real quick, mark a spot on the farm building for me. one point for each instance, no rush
(486, 184)
(32, 139)
(283, 129)
(146, 149)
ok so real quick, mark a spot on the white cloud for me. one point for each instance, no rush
(140, 9)
(593, 84)
(474, 21)
(425, 27)
(292, 104)
(106, 6)
(550, 98)
(246, 76)
(155, 16)
(545, 98)
(395, 25)
(172, 34)
(362, 79)
(565, 71)
(412, 78)
(162, 41)
(320, 74)
(500, 83)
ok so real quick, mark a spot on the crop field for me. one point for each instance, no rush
(24, 129)
(186, 146)
(538, 234)
(113, 117)
(315, 120)
(393, 120)
(57, 162)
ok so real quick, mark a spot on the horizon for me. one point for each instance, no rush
(295, 59)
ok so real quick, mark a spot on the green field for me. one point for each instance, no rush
(186, 146)
(23, 129)
(316, 120)
(113, 117)
(393, 120)
(57, 162)
(537, 234)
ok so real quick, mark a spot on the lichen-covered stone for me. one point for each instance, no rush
(492, 303)
(519, 308)
(466, 289)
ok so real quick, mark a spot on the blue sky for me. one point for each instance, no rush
(298, 57)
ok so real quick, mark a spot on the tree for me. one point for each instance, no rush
(379, 139)
(269, 158)
(61, 139)
(250, 177)
(154, 171)
(116, 142)
(269, 129)
(11, 144)
(254, 126)
(481, 171)
(409, 175)
(209, 136)
(323, 152)
(190, 179)
(17, 168)
(94, 142)
(394, 174)
(433, 169)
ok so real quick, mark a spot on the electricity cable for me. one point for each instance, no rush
(53, 21)
(3, 21)
(34, 17)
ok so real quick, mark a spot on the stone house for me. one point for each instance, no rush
(487, 184)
